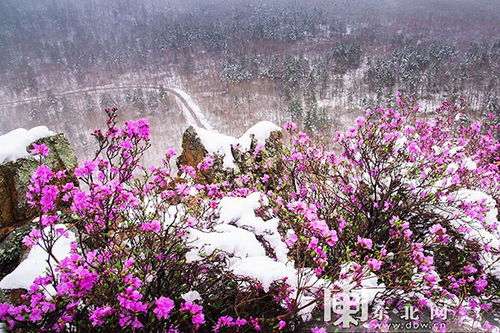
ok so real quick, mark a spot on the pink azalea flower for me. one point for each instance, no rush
(374, 264)
(164, 306)
(40, 149)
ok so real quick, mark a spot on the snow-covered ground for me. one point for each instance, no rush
(35, 265)
(76, 113)
(191, 110)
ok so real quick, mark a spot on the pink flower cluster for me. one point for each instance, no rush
(195, 311)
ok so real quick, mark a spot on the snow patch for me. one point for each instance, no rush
(364, 286)
(265, 270)
(191, 296)
(228, 238)
(35, 265)
(261, 131)
(248, 240)
(13, 144)
(241, 212)
(220, 144)
(237, 229)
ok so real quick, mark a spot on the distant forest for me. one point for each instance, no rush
(445, 48)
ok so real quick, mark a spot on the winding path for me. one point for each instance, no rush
(191, 111)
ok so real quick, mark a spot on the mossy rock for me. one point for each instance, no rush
(12, 248)
(15, 213)
(15, 177)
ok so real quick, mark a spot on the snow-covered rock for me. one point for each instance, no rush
(16, 214)
(260, 131)
(199, 142)
(13, 144)
(220, 144)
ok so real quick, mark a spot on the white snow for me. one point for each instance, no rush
(35, 265)
(228, 238)
(236, 233)
(241, 212)
(265, 270)
(237, 229)
(186, 113)
(469, 164)
(191, 296)
(261, 131)
(236, 208)
(13, 144)
(220, 144)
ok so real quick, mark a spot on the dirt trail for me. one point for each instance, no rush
(192, 117)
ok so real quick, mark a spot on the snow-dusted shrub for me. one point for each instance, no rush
(147, 250)
(410, 201)
(402, 211)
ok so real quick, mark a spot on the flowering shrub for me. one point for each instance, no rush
(401, 211)
(406, 199)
